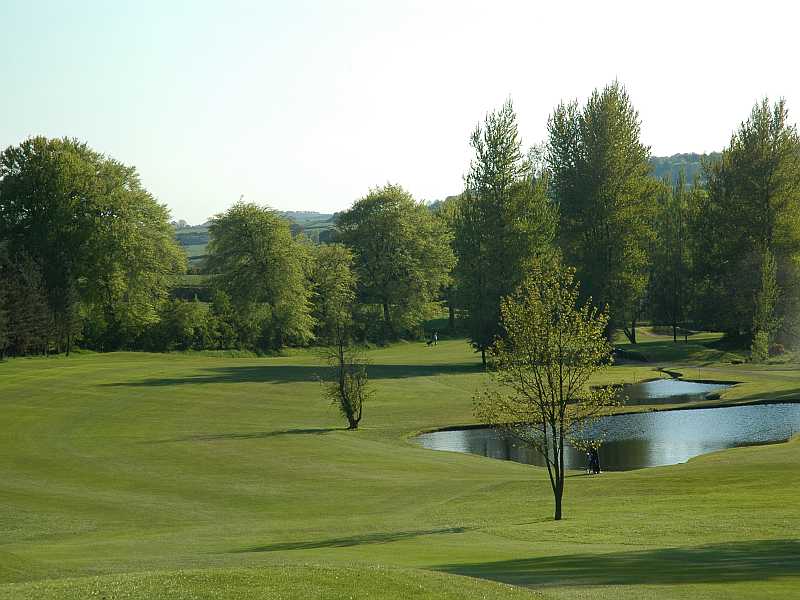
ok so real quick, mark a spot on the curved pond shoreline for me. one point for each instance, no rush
(645, 409)
(668, 421)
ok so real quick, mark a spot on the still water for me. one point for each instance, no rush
(641, 440)
(669, 391)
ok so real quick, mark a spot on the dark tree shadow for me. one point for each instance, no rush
(297, 374)
(249, 435)
(357, 540)
(737, 561)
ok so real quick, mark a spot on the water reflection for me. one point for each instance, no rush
(669, 391)
(645, 439)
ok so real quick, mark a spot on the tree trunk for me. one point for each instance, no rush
(557, 495)
(674, 333)
(483, 357)
(451, 322)
(387, 321)
(631, 333)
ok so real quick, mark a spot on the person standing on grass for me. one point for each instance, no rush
(595, 461)
(435, 338)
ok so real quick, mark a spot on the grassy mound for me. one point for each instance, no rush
(274, 583)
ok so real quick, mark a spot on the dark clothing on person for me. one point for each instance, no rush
(594, 461)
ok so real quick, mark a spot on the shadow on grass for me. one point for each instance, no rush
(249, 435)
(737, 561)
(697, 352)
(297, 374)
(356, 540)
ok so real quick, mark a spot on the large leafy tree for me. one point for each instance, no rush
(402, 255)
(601, 181)
(504, 223)
(552, 346)
(748, 228)
(261, 269)
(99, 240)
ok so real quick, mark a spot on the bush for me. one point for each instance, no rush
(776, 350)
(759, 349)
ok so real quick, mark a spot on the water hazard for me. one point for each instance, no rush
(634, 441)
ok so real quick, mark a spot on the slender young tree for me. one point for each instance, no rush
(606, 197)
(539, 391)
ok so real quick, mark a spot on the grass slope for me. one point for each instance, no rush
(236, 472)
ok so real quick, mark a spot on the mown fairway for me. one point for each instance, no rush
(120, 469)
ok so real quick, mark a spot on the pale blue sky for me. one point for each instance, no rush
(306, 105)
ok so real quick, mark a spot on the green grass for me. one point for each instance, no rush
(197, 476)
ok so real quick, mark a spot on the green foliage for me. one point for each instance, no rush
(182, 325)
(542, 367)
(504, 223)
(347, 386)
(333, 281)
(98, 238)
(670, 279)
(688, 165)
(25, 318)
(601, 181)
(261, 268)
(402, 255)
(759, 349)
(752, 209)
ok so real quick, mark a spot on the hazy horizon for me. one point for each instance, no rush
(305, 106)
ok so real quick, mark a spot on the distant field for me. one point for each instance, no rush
(195, 250)
(197, 476)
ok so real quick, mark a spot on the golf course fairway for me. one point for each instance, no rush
(132, 475)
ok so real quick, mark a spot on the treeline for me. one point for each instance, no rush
(88, 255)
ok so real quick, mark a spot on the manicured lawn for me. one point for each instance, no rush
(211, 477)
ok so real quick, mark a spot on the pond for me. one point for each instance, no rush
(670, 391)
(638, 440)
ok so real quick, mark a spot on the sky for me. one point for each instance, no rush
(304, 105)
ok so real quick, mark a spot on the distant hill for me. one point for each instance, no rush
(691, 163)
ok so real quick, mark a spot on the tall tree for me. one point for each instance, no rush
(504, 224)
(601, 182)
(96, 236)
(552, 346)
(749, 224)
(402, 255)
(261, 268)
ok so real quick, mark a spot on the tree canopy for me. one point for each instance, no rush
(606, 198)
(402, 254)
(503, 224)
(749, 222)
(100, 242)
(262, 270)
